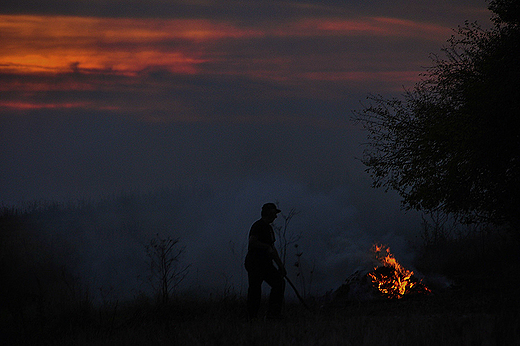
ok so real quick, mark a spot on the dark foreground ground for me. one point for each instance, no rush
(43, 304)
(452, 317)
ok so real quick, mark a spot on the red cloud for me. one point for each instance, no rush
(42, 57)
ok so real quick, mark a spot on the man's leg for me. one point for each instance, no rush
(254, 294)
(277, 283)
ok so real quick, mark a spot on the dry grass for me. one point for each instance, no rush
(483, 310)
(451, 318)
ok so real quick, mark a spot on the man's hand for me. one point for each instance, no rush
(274, 255)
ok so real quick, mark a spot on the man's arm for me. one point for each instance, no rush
(254, 242)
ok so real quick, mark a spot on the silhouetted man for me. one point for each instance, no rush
(259, 265)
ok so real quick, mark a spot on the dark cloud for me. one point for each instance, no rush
(241, 11)
(250, 12)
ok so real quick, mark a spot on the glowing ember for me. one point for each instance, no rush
(392, 279)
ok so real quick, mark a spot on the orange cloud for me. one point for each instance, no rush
(75, 59)
(35, 44)
(39, 44)
(21, 105)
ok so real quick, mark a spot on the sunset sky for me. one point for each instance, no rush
(101, 96)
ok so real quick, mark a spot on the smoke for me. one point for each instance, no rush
(105, 240)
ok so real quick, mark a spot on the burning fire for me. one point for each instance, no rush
(392, 279)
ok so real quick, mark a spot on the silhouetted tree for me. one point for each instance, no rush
(506, 11)
(166, 273)
(452, 143)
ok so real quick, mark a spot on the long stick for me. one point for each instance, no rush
(297, 294)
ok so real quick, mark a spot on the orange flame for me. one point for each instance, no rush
(392, 279)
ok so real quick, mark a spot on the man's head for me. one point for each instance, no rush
(269, 211)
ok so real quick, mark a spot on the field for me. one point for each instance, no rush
(43, 304)
(453, 317)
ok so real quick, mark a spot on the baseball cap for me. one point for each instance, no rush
(270, 207)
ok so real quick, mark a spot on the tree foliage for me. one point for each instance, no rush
(452, 143)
